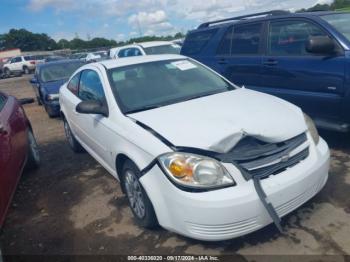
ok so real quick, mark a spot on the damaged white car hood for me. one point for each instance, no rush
(218, 122)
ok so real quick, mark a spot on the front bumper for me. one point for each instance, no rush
(235, 211)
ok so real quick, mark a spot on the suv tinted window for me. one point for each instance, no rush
(16, 59)
(28, 58)
(225, 45)
(246, 39)
(289, 37)
(129, 52)
(73, 85)
(90, 87)
(196, 41)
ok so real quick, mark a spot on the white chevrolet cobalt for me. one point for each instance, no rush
(193, 152)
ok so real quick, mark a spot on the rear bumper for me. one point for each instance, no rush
(235, 211)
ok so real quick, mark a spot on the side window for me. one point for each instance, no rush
(289, 37)
(196, 41)
(15, 60)
(90, 87)
(225, 45)
(2, 101)
(18, 59)
(73, 85)
(246, 39)
(129, 52)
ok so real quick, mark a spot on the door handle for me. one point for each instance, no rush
(271, 62)
(222, 61)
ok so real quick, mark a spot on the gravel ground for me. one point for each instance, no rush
(71, 205)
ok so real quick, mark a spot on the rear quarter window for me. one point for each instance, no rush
(196, 41)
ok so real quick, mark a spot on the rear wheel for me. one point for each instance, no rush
(39, 101)
(26, 70)
(33, 158)
(73, 143)
(139, 202)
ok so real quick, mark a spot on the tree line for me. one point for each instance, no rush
(337, 5)
(29, 41)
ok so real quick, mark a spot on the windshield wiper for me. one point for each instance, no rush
(144, 108)
(203, 95)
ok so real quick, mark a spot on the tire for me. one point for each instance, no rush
(139, 202)
(33, 158)
(49, 112)
(73, 143)
(26, 70)
(39, 101)
(7, 72)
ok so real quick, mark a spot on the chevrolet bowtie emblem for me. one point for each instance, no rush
(285, 158)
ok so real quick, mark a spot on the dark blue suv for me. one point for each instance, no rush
(301, 57)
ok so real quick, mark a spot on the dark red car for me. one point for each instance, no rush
(18, 148)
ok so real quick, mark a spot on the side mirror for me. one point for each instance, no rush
(92, 107)
(33, 81)
(320, 45)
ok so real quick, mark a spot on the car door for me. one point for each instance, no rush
(16, 64)
(13, 148)
(313, 82)
(5, 154)
(239, 54)
(94, 129)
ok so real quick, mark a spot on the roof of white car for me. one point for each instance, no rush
(154, 43)
(144, 44)
(113, 63)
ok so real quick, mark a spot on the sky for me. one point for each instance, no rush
(123, 19)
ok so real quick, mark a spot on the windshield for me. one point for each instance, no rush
(145, 86)
(56, 72)
(162, 49)
(341, 22)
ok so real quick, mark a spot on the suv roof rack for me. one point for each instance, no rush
(273, 12)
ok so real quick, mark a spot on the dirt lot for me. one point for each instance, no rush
(72, 206)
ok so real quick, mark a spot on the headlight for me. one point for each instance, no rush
(195, 171)
(52, 97)
(312, 128)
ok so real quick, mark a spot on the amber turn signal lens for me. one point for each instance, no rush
(179, 168)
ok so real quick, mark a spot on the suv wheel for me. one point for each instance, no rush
(26, 70)
(74, 144)
(7, 72)
(33, 158)
(139, 202)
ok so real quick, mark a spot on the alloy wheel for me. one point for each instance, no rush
(134, 193)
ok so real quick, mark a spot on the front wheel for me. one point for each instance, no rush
(73, 143)
(139, 202)
(33, 158)
(7, 72)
